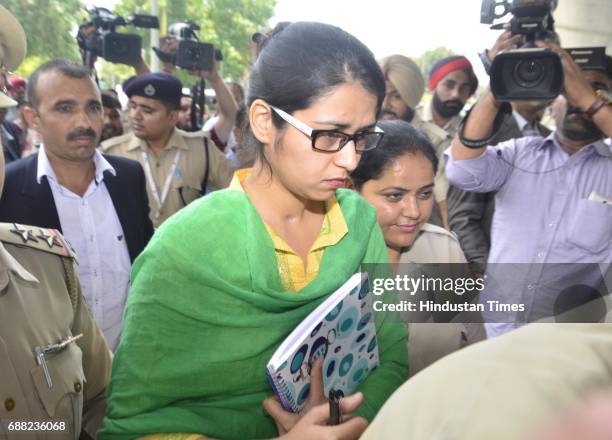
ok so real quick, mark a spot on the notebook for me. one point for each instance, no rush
(342, 331)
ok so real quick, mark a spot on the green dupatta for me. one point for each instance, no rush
(207, 310)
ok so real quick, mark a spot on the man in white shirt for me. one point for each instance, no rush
(98, 202)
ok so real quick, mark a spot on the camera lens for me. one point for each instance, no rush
(529, 73)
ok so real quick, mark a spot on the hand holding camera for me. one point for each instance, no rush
(526, 72)
(576, 88)
(99, 37)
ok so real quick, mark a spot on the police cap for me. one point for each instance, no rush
(12, 48)
(160, 86)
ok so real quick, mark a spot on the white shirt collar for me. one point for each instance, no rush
(520, 121)
(45, 169)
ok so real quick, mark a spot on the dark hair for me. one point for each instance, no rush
(302, 62)
(65, 67)
(400, 138)
(608, 65)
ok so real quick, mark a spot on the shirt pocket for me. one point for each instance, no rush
(591, 226)
(187, 189)
(64, 400)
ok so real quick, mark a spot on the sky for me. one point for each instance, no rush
(408, 27)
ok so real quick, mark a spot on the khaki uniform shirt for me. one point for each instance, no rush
(429, 341)
(186, 182)
(440, 140)
(41, 304)
(424, 111)
(505, 388)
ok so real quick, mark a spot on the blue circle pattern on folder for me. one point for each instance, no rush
(372, 344)
(335, 312)
(345, 365)
(298, 359)
(364, 321)
(303, 394)
(319, 349)
(359, 372)
(365, 289)
(330, 368)
(316, 329)
(347, 322)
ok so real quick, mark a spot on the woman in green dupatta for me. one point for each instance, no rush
(217, 289)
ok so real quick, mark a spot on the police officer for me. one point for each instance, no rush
(54, 361)
(179, 166)
(405, 86)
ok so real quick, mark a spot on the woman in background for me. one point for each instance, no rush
(397, 178)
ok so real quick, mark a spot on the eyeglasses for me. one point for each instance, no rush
(331, 141)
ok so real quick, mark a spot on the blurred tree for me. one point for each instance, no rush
(50, 27)
(429, 58)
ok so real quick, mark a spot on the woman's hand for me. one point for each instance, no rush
(314, 423)
(285, 421)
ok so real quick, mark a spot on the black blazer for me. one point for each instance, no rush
(26, 201)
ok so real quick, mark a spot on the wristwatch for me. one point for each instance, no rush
(603, 98)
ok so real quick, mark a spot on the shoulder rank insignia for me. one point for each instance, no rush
(44, 239)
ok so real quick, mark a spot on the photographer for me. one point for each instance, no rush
(551, 192)
(227, 107)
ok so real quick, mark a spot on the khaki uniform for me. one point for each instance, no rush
(186, 183)
(448, 132)
(429, 341)
(41, 304)
(505, 388)
(441, 140)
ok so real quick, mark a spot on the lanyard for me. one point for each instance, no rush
(153, 186)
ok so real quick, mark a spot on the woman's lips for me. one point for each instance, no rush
(407, 228)
(336, 183)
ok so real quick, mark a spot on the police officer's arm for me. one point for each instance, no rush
(220, 171)
(97, 361)
(578, 91)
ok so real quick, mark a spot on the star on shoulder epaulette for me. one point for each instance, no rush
(44, 239)
(114, 141)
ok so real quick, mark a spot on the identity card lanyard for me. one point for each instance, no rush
(166, 189)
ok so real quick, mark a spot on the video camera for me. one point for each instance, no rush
(527, 73)
(109, 44)
(191, 53)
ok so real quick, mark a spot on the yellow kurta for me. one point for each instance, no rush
(293, 273)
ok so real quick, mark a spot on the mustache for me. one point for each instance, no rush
(387, 113)
(454, 104)
(88, 132)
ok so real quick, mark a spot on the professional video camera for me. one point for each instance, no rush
(527, 73)
(106, 42)
(191, 53)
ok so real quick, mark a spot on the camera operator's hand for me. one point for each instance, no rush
(211, 75)
(505, 42)
(86, 30)
(227, 107)
(576, 88)
(140, 65)
(169, 45)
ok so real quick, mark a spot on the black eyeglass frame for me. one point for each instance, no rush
(313, 133)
